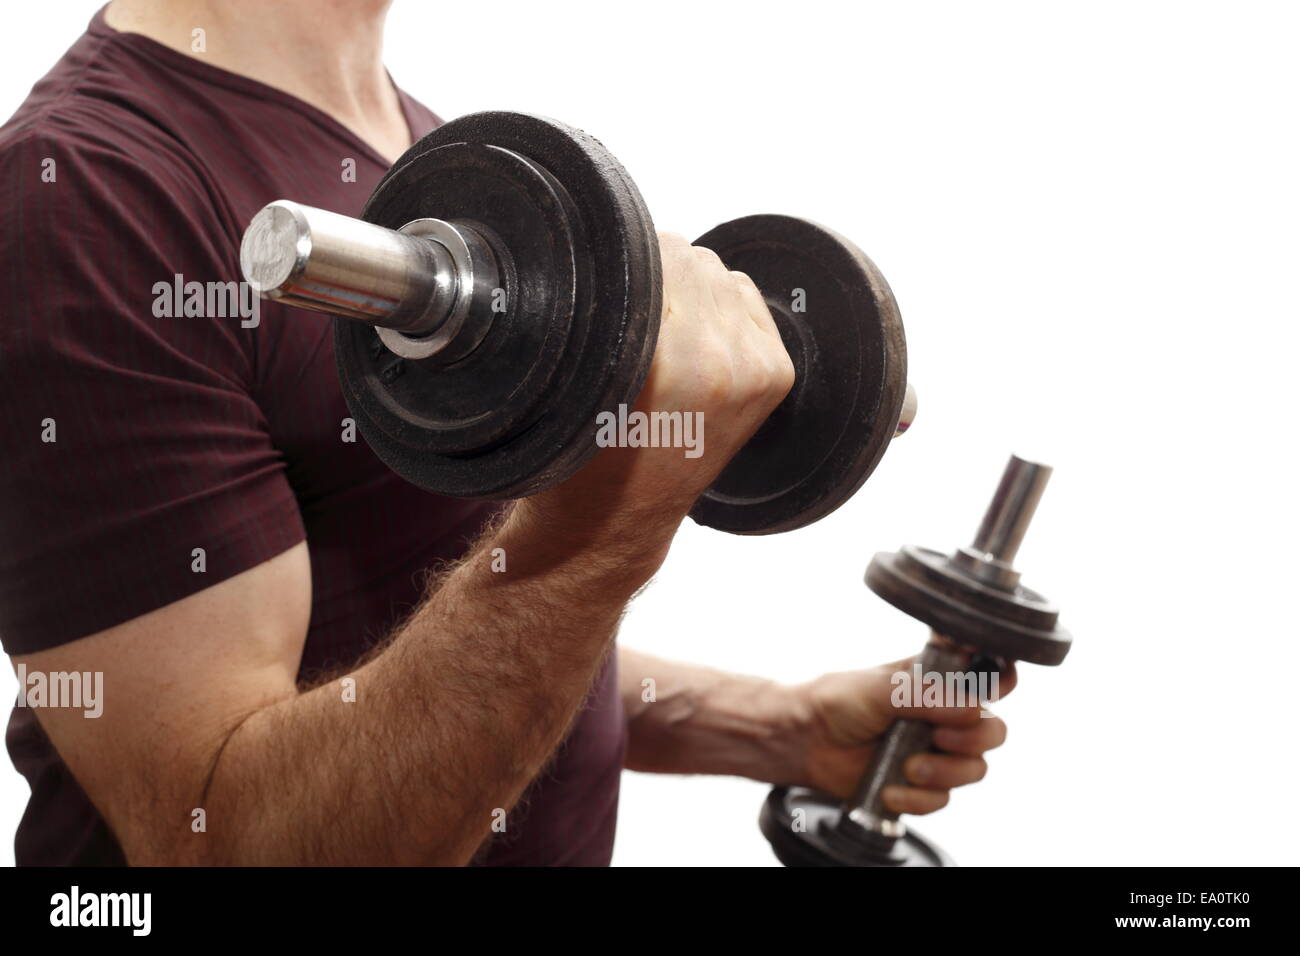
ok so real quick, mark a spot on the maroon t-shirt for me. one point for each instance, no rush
(128, 165)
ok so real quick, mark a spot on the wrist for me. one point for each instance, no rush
(544, 536)
(790, 717)
(765, 724)
(568, 523)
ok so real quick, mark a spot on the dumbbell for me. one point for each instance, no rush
(503, 287)
(973, 601)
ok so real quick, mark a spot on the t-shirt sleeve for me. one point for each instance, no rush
(138, 467)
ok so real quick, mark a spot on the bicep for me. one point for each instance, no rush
(174, 684)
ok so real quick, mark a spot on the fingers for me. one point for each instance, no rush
(721, 284)
(734, 293)
(717, 356)
(755, 307)
(857, 706)
(967, 707)
(933, 776)
(701, 270)
(944, 771)
(684, 281)
(1001, 676)
(971, 740)
(945, 715)
(1007, 680)
(914, 801)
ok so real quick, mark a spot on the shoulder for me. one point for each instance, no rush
(97, 222)
(96, 202)
(88, 145)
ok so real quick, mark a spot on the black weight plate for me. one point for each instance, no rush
(818, 843)
(1019, 624)
(850, 358)
(476, 404)
(579, 262)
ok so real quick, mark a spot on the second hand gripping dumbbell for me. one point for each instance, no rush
(503, 288)
(974, 601)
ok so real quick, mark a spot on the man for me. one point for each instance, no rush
(306, 660)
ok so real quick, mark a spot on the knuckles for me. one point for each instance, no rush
(715, 348)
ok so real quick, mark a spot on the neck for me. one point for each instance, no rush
(328, 53)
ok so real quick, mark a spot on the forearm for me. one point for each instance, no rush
(705, 721)
(451, 720)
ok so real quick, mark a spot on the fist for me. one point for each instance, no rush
(845, 714)
(719, 368)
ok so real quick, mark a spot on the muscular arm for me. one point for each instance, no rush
(465, 704)
(451, 720)
(707, 721)
(819, 734)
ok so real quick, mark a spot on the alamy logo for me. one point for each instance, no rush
(75, 689)
(75, 908)
(654, 430)
(951, 689)
(207, 300)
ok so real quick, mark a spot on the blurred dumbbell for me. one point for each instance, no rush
(979, 612)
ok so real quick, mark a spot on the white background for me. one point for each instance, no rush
(1088, 213)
